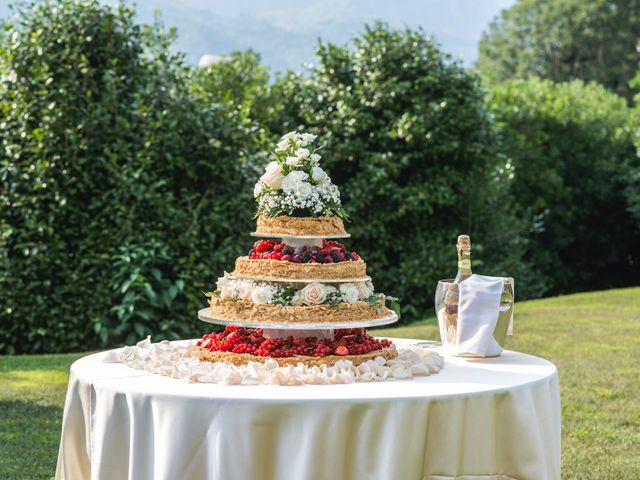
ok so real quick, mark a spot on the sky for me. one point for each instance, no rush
(286, 32)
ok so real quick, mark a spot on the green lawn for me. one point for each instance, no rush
(593, 338)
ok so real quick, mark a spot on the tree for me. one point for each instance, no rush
(570, 149)
(565, 40)
(241, 83)
(410, 143)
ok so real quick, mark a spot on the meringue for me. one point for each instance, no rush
(176, 360)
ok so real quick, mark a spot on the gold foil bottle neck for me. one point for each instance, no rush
(464, 243)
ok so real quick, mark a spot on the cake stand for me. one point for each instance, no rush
(299, 329)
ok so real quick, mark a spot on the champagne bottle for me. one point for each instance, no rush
(451, 296)
(464, 258)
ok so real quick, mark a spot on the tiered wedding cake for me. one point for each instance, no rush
(299, 295)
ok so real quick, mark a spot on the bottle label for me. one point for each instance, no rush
(464, 264)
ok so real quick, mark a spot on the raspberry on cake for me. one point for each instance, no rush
(328, 252)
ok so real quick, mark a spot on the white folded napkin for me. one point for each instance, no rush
(478, 310)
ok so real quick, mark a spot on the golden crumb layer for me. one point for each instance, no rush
(243, 358)
(265, 269)
(247, 311)
(300, 226)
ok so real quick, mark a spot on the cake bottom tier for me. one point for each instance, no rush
(239, 345)
(243, 358)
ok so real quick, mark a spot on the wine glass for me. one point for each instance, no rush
(446, 304)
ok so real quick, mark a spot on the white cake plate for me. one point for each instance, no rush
(301, 237)
(301, 280)
(205, 316)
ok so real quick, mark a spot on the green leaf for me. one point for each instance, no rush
(139, 328)
(393, 304)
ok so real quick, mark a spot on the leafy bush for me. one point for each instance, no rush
(412, 147)
(122, 194)
(241, 83)
(570, 148)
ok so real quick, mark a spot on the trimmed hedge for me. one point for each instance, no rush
(571, 149)
(122, 194)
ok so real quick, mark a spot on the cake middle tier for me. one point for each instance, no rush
(278, 269)
(268, 314)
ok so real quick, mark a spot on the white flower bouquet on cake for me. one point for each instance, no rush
(294, 184)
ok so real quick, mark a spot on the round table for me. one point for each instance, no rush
(493, 418)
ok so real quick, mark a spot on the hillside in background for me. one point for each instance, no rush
(285, 33)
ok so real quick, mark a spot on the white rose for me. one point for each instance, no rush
(257, 190)
(299, 175)
(307, 138)
(365, 289)
(293, 135)
(282, 145)
(273, 175)
(302, 153)
(292, 161)
(349, 293)
(289, 183)
(313, 294)
(225, 285)
(319, 176)
(315, 158)
(296, 301)
(303, 189)
(245, 289)
(262, 295)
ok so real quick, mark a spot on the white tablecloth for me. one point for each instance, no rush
(493, 418)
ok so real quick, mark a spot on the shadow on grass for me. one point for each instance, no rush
(29, 438)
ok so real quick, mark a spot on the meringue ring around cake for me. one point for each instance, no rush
(205, 315)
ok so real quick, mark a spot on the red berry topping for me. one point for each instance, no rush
(330, 252)
(245, 340)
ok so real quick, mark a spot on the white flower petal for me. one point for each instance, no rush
(302, 153)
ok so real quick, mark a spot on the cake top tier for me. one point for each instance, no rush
(294, 184)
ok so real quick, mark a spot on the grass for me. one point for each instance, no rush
(32, 392)
(593, 338)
